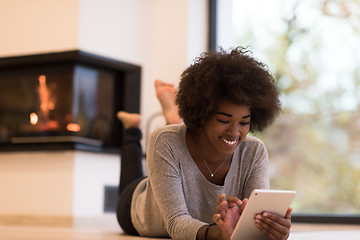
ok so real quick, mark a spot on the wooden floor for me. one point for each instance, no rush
(106, 228)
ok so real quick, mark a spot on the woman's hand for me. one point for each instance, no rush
(228, 214)
(273, 225)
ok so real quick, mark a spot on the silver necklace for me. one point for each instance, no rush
(211, 173)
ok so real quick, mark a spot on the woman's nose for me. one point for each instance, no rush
(234, 130)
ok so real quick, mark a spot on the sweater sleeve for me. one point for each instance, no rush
(167, 184)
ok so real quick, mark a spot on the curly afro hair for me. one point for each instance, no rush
(233, 76)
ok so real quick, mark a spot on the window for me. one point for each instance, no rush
(312, 48)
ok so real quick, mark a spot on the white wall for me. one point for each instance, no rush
(113, 28)
(38, 26)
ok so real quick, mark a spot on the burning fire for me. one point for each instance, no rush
(44, 94)
(41, 119)
(34, 118)
(73, 127)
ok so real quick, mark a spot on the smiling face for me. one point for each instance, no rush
(226, 128)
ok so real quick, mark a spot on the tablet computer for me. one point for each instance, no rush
(275, 201)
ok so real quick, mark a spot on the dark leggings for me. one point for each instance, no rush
(130, 176)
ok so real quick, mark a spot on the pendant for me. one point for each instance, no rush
(212, 175)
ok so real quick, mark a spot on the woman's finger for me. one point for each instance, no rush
(220, 198)
(288, 213)
(222, 208)
(243, 204)
(233, 201)
(217, 219)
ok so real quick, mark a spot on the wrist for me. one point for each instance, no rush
(215, 233)
(207, 230)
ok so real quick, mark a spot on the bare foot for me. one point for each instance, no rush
(166, 94)
(129, 120)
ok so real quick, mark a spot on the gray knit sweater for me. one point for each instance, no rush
(176, 199)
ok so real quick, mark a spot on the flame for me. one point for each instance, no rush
(73, 127)
(44, 95)
(46, 99)
(34, 118)
(51, 106)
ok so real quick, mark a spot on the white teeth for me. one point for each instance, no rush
(229, 142)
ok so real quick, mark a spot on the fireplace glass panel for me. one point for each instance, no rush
(65, 100)
(57, 101)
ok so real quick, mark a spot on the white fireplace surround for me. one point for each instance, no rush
(56, 183)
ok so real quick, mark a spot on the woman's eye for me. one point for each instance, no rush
(244, 123)
(223, 121)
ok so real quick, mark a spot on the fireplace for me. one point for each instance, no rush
(65, 100)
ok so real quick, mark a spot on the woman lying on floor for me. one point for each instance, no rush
(203, 164)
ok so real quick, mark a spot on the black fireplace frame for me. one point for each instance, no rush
(127, 80)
